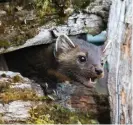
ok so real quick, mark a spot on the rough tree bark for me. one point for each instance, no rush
(119, 52)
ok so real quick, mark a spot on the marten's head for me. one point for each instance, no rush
(78, 60)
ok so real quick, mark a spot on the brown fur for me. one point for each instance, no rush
(58, 61)
(69, 65)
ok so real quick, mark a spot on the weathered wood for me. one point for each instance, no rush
(120, 58)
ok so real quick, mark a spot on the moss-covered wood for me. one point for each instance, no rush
(55, 114)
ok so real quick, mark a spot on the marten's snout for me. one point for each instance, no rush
(98, 71)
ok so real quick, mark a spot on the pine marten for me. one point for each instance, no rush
(78, 60)
(66, 59)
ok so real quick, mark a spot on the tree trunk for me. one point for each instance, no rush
(119, 52)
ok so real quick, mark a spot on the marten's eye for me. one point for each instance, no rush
(82, 59)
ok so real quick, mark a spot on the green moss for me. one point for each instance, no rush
(1, 120)
(44, 7)
(17, 78)
(8, 94)
(81, 4)
(4, 86)
(20, 39)
(51, 113)
(4, 44)
(3, 75)
(13, 94)
(51, 10)
(16, 41)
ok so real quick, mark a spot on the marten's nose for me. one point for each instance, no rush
(99, 71)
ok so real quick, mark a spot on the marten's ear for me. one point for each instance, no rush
(63, 44)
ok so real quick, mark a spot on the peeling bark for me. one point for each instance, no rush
(119, 56)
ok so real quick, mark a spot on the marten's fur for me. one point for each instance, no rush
(62, 60)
